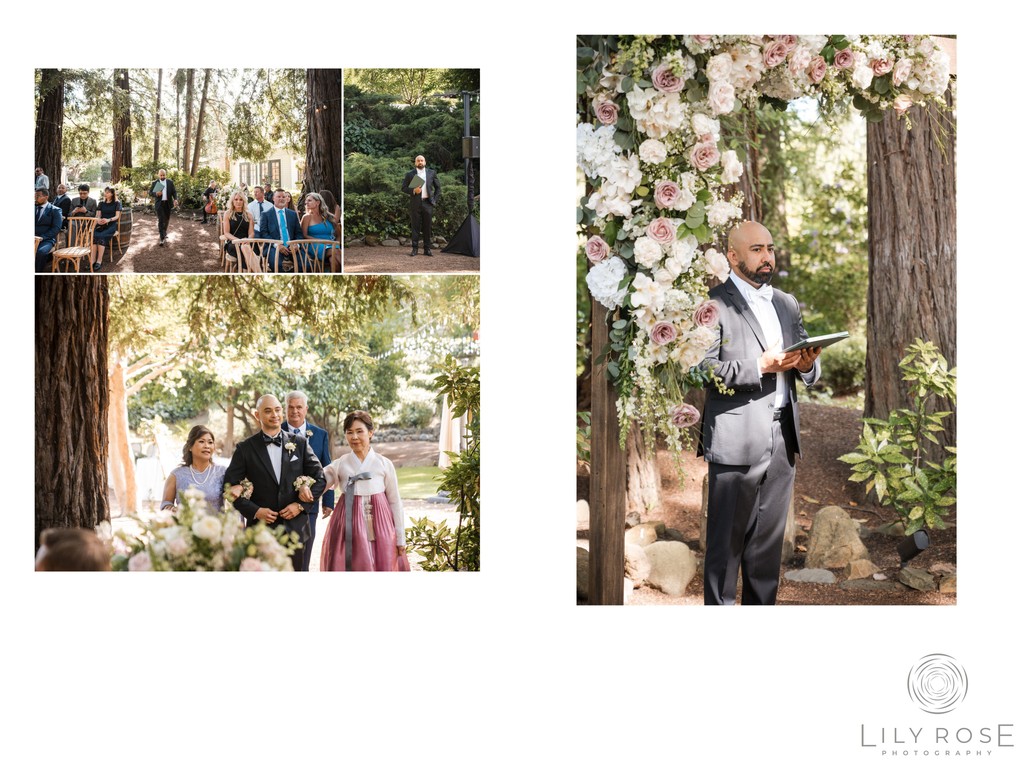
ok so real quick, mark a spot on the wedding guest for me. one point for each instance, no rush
(296, 407)
(238, 224)
(42, 182)
(316, 224)
(258, 207)
(63, 201)
(331, 205)
(209, 196)
(268, 192)
(108, 215)
(290, 204)
(164, 198)
(48, 223)
(282, 224)
(83, 204)
(197, 471)
(71, 550)
(372, 507)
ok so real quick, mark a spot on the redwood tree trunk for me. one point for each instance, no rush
(189, 88)
(156, 116)
(50, 125)
(323, 123)
(199, 123)
(122, 151)
(912, 250)
(71, 402)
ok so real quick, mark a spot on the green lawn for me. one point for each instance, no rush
(418, 482)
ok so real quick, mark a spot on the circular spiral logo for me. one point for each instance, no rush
(937, 683)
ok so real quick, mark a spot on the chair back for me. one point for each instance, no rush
(80, 231)
(305, 251)
(255, 253)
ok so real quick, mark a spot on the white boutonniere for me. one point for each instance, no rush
(290, 446)
(309, 434)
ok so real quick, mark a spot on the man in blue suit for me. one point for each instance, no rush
(296, 404)
(48, 221)
(271, 228)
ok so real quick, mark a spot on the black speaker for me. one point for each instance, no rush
(911, 546)
(471, 147)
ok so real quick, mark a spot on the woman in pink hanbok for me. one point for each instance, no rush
(367, 532)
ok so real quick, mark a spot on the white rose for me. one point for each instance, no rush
(207, 527)
(687, 354)
(716, 264)
(653, 151)
(862, 77)
(140, 562)
(704, 125)
(250, 564)
(647, 252)
(682, 251)
(732, 168)
(647, 292)
(603, 281)
(177, 546)
(722, 97)
(719, 67)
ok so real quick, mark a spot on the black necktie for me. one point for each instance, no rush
(272, 439)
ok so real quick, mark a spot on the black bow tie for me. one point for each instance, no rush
(272, 439)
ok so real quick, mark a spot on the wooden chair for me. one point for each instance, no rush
(116, 238)
(261, 250)
(228, 262)
(305, 254)
(38, 240)
(80, 231)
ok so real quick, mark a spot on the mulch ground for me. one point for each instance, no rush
(396, 260)
(826, 432)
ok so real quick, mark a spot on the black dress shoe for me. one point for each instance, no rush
(413, 253)
(427, 252)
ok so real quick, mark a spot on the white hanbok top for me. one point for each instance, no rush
(384, 479)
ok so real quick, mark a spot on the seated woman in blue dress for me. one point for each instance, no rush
(108, 215)
(317, 223)
(197, 471)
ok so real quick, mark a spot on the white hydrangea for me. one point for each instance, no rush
(721, 212)
(603, 281)
(657, 114)
(595, 148)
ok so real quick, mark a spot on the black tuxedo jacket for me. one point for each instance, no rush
(172, 194)
(433, 186)
(252, 462)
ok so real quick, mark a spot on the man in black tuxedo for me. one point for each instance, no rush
(164, 197)
(422, 186)
(272, 460)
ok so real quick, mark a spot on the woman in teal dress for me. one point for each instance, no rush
(317, 223)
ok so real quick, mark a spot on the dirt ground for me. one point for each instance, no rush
(396, 260)
(191, 247)
(826, 432)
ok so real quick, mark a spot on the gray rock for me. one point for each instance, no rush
(892, 529)
(441, 241)
(674, 535)
(947, 584)
(391, 243)
(371, 240)
(871, 585)
(582, 574)
(644, 534)
(638, 566)
(632, 519)
(918, 579)
(859, 569)
(627, 590)
(834, 540)
(354, 243)
(821, 576)
(673, 565)
(942, 568)
(582, 514)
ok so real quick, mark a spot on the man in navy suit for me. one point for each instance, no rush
(271, 228)
(48, 221)
(272, 460)
(296, 404)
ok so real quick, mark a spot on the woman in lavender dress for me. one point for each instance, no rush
(197, 472)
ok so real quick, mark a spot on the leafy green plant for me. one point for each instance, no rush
(892, 454)
(583, 437)
(456, 549)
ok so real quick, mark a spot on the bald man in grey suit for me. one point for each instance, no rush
(750, 437)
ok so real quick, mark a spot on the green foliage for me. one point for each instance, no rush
(415, 414)
(891, 454)
(385, 214)
(843, 369)
(180, 395)
(270, 111)
(583, 437)
(190, 189)
(459, 549)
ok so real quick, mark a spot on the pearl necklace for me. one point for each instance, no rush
(206, 474)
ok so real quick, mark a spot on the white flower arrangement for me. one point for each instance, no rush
(303, 481)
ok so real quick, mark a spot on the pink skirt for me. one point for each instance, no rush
(380, 555)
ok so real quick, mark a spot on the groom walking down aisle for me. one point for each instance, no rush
(750, 435)
(272, 460)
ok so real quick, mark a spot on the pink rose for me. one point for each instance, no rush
(775, 53)
(665, 81)
(799, 60)
(607, 111)
(901, 71)
(661, 231)
(881, 66)
(902, 103)
(662, 333)
(817, 69)
(789, 41)
(685, 415)
(702, 39)
(704, 155)
(250, 564)
(844, 59)
(665, 194)
(706, 314)
(597, 249)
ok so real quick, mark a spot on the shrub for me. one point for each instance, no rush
(842, 369)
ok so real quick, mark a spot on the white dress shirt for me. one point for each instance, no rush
(422, 173)
(275, 452)
(255, 212)
(760, 302)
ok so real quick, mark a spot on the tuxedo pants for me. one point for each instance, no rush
(421, 214)
(307, 551)
(163, 215)
(747, 509)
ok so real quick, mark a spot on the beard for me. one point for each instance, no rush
(754, 276)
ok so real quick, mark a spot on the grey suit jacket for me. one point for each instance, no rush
(736, 428)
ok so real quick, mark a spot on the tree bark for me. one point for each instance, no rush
(122, 462)
(229, 435)
(189, 88)
(71, 402)
(912, 250)
(50, 125)
(643, 478)
(121, 156)
(199, 123)
(323, 124)
(156, 116)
